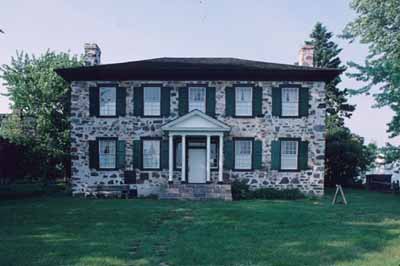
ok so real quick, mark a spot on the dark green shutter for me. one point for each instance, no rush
(165, 101)
(137, 154)
(228, 154)
(121, 154)
(303, 155)
(183, 101)
(257, 101)
(210, 101)
(276, 155)
(93, 154)
(304, 99)
(94, 101)
(138, 101)
(229, 101)
(121, 101)
(276, 101)
(165, 154)
(257, 154)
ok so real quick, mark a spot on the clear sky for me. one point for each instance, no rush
(266, 30)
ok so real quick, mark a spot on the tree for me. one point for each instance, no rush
(40, 105)
(326, 54)
(346, 156)
(378, 26)
(390, 152)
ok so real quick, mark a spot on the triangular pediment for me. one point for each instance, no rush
(196, 121)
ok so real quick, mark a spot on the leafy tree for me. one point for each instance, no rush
(40, 105)
(378, 26)
(326, 54)
(346, 156)
(390, 152)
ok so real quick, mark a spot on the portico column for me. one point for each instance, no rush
(208, 150)
(221, 158)
(183, 177)
(171, 158)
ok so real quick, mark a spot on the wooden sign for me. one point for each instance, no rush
(339, 189)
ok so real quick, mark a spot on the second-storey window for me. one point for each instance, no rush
(244, 96)
(289, 155)
(197, 98)
(107, 99)
(151, 101)
(290, 101)
(243, 151)
(107, 154)
(151, 154)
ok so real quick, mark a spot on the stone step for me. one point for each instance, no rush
(197, 191)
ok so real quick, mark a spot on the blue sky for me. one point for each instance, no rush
(130, 30)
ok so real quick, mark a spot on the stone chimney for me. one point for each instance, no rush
(306, 55)
(92, 54)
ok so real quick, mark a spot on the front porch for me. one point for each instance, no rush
(196, 148)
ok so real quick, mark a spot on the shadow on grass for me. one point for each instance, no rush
(65, 231)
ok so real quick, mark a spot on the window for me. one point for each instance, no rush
(290, 101)
(151, 101)
(289, 154)
(243, 150)
(151, 154)
(107, 154)
(108, 101)
(214, 155)
(244, 101)
(178, 155)
(197, 98)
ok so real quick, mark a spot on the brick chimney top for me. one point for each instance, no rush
(92, 54)
(306, 55)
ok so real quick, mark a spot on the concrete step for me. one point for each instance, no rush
(197, 191)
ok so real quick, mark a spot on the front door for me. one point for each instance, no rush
(197, 165)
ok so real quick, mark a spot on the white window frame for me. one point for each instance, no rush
(151, 107)
(157, 152)
(289, 154)
(199, 105)
(239, 158)
(290, 107)
(243, 108)
(110, 108)
(108, 161)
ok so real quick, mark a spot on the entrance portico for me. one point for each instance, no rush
(192, 130)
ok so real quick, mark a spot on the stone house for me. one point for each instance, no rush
(188, 127)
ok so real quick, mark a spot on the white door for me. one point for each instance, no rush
(197, 165)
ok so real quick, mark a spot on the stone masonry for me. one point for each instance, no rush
(266, 128)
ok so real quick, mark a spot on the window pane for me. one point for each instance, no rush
(289, 155)
(244, 101)
(107, 101)
(290, 101)
(243, 149)
(107, 153)
(197, 98)
(178, 155)
(151, 154)
(214, 155)
(151, 101)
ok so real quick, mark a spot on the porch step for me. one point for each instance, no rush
(197, 191)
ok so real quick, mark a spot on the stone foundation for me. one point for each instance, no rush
(196, 192)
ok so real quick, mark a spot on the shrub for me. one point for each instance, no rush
(241, 191)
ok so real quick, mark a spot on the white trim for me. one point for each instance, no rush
(183, 177)
(221, 158)
(171, 158)
(208, 151)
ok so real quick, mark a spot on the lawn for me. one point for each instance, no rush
(68, 231)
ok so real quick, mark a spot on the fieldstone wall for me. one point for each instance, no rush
(266, 128)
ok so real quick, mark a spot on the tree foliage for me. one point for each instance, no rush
(326, 54)
(390, 152)
(346, 156)
(40, 104)
(378, 26)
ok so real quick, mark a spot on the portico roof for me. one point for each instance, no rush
(195, 121)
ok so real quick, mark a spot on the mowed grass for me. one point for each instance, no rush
(69, 231)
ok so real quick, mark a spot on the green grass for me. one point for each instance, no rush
(67, 231)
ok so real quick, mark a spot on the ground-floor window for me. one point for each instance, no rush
(243, 154)
(289, 154)
(151, 154)
(107, 154)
